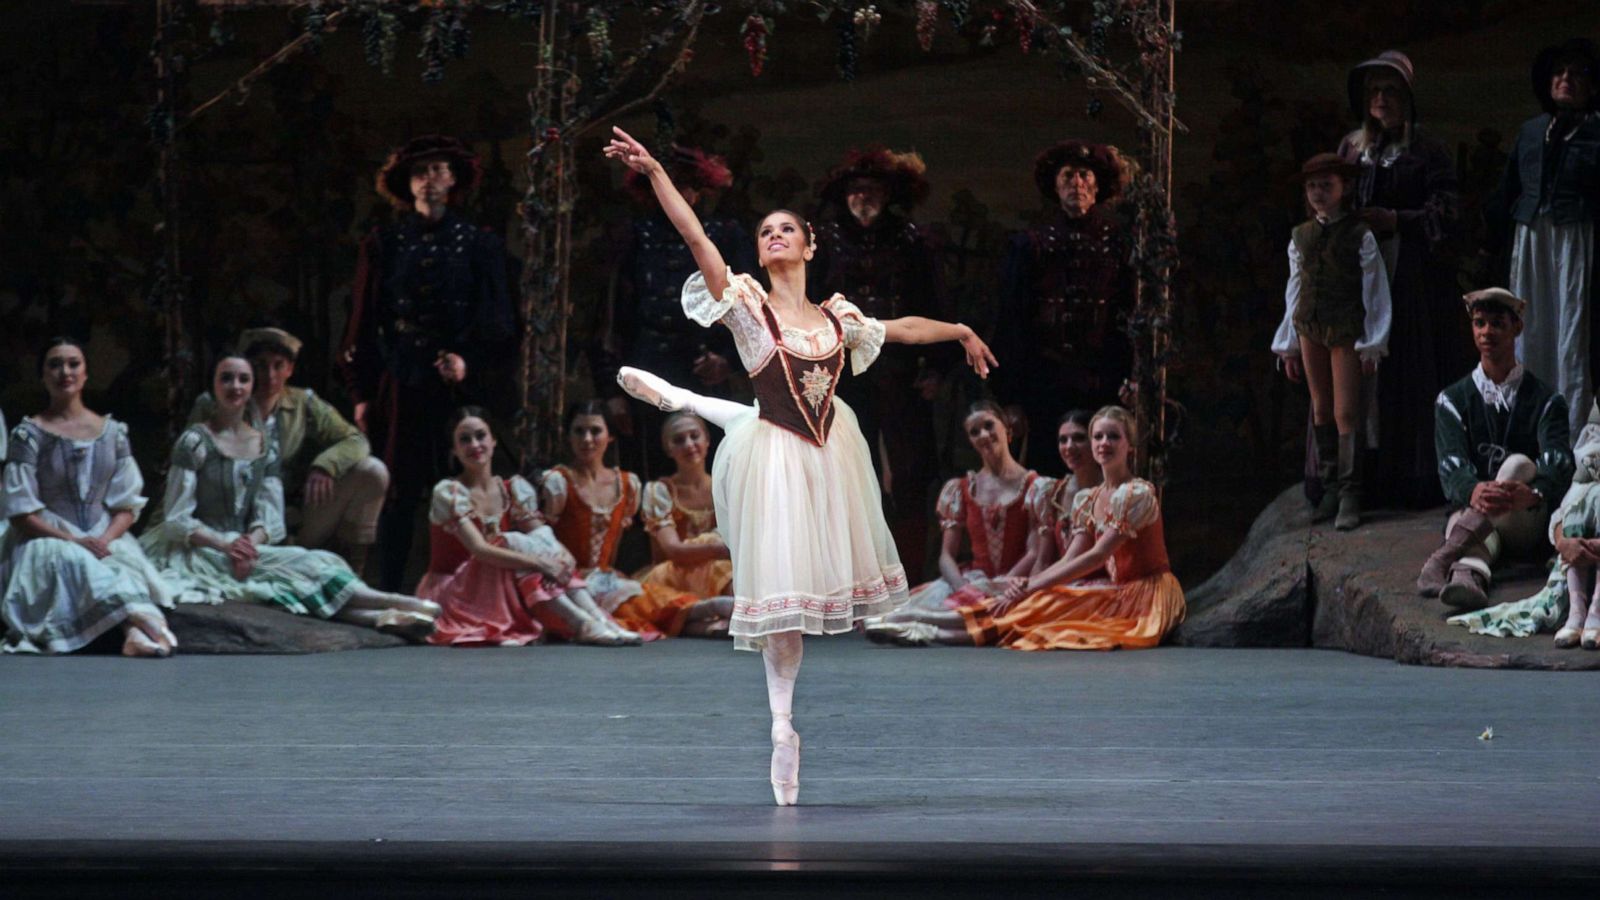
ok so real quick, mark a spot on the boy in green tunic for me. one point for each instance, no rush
(1504, 457)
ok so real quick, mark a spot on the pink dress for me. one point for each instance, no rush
(486, 605)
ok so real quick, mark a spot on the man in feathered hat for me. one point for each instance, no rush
(429, 312)
(1065, 292)
(644, 325)
(870, 251)
(1546, 208)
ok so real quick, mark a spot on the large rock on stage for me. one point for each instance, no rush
(253, 628)
(1294, 584)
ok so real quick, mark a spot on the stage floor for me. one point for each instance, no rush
(1171, 763)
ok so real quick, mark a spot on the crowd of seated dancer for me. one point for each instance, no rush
(511, 562)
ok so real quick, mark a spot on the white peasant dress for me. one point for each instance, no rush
(56, 596)
(803, 523)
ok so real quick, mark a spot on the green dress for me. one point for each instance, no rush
(211, 491)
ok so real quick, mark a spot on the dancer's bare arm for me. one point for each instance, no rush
(706, 255)
(918, 330)
(1064, 570)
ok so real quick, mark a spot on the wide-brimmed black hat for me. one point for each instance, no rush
(904, 175)
(1110, 173)
(394, 179)
(1545, 63)
(1387, 61)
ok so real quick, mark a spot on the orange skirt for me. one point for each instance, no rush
(669, 592)
(1129, 616)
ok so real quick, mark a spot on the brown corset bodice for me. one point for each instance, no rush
(796, 391)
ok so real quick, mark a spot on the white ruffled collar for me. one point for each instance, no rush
(1498, 396)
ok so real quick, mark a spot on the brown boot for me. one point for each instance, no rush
(1469, 530)
(1349, 483)
(1469, 585)
(1327, 439)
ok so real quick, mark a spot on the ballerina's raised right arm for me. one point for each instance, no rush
(706, 255)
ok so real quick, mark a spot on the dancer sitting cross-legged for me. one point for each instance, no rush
(494, 565)
(1116, 526)
(986, 509)
(687, 590)
(69, 569)
(796, 498)
(589, 504)
(222, 519)
(1050, 499)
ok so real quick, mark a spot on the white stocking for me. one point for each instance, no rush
(781, 656)
(1579, 579)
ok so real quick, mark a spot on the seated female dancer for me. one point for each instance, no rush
(69, 569)
(1050, 500)
(1117, 526)
(988, 509)
(223, 514)
(589, 504)
(797, 500)
(687, 590)
(494, 566)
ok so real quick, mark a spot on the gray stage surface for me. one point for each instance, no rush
(1172, 757)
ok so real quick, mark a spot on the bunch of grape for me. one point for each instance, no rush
(927, 22)
(754, 31)
(848, 54)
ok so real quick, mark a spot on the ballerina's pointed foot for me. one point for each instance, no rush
(651, 389)
(785, 762)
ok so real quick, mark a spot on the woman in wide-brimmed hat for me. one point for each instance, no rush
(1546, 207)
(1406, 192)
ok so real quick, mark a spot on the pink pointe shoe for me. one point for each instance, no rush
(651, 389)
(785, 779)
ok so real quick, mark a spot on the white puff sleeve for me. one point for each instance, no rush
(948, 507)
(553, 485)
(634, 490)
(1133, 508)
(178, 520)
(268, 512)
(450, 503)
(525, 513)
(21, 497)
(656, 506)
(1041, 512)
(863, 335)
(126, 490)
(1374, 343)
(1285, 342)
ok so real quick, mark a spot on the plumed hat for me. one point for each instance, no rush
(690, 168)
(1545, 63)
(1495, 298)
(1388, 61)
(394, 179)
(904, 175)
(1110, 171)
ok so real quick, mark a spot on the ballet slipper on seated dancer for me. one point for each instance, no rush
(147, 636)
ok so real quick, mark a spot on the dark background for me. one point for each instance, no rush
(278, 189)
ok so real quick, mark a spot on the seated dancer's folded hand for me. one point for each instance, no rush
(979, 356)
(1017, 590)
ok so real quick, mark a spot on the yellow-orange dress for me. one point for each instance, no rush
(1135, 610)
(670, 588)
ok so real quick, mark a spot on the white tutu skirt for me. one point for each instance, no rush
(804, 526)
